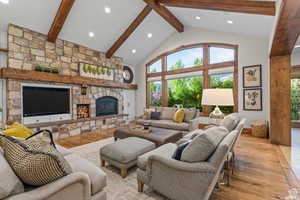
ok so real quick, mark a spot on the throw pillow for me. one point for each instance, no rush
(18, 130)
(35, 162)
(178, 152)
(147, 113)
(155, 115)
(230, 121)
(179, 116)
(167, 113)
(203, 145)
(189, 114)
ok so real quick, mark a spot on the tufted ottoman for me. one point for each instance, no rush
(123, 154)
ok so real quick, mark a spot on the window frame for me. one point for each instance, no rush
(204, 68)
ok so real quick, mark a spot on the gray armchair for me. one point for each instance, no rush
(181, 180)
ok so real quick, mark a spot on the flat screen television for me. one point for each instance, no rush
(38, 101)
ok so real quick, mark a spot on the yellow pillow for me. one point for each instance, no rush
(18, 130)
(179, 116)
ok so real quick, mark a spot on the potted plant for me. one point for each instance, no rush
(108, 72)
(85, 68)
(55, 70)
(46, 69)
(38, 68)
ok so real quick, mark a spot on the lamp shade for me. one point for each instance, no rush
(217, 97)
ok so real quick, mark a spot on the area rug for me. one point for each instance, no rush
(117, 187)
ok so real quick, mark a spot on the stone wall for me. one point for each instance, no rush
(27, 48)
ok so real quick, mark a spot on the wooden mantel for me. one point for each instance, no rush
(28, 75)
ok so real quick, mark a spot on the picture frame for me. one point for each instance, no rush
(252, 76)
(253, 99)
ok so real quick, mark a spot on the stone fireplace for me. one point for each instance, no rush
(83, 111)
(107, 105)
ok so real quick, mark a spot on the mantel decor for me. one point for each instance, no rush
(93, 71)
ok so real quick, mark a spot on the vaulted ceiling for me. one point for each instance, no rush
(89, 16)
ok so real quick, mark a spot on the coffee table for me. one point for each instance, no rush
(159, 136)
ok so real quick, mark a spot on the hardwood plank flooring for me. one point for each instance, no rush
(261, 170)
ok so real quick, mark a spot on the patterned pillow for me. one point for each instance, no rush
(35, 162)
(189, 114)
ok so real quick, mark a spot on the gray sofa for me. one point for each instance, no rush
(86, 183)
(166, 119)
(180, 180)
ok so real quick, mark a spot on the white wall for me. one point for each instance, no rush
(3, 63)
(252, 51)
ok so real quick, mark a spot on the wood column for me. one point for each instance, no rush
(206, 78)
(164, 85)
(280, 100)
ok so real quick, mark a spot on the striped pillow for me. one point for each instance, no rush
(35, 162)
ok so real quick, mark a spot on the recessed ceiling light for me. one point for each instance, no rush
(4, 1)
(198, 17)
(133, 51)
(229, 21)
(91, 34)
(149, 35)
(107, 9)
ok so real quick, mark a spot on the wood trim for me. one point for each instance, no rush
(166, 14)
(60, 18)
(287, 29)
(245, 6)
(3, 50)
(27, 75)
(192, 69)
(164, 84)
(295, 72)
(190, 46)
(132, 27)
(236, 81)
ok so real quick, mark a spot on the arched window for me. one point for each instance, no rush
(179, 76)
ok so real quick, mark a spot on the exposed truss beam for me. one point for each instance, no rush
(138, 20)
(166, 14)
(288, 28)
(60, 19)
(240, 6)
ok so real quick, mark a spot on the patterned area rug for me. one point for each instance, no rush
(117, 187)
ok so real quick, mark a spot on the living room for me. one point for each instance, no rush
(166, 99)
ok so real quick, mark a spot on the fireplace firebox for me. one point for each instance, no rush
(106, 106)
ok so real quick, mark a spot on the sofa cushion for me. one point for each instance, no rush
(203, 145)
(230, 121)
(169, 124)
(155, 115)
(189, 114)
(127, 150)
(96, 175)
(167, 113)
(178, 152)
(165, 151)
(188, 137)
(36, 163)
(10, 184)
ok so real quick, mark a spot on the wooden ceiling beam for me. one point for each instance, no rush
(240, 6)
(287, 29)
(60, 18)
(166, 14)
(138, 20)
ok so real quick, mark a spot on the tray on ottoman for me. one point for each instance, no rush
(159, 136)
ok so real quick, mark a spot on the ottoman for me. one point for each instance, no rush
(123, 154)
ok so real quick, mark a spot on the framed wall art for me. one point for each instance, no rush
(252, 76)
(253, 99)
(98, 72)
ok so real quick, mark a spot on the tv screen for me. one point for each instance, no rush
(39, 101)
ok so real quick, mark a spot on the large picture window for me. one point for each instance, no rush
(179, 76)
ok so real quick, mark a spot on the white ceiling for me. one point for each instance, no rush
(89, 15)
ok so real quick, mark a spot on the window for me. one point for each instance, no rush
(185, 58)
(155, 67)
(219, 55)
(155, 93)
(185, 91)
(295, 99)
(222, 81)
(187, 71)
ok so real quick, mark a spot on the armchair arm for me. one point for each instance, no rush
(75, 185)
(203, 167)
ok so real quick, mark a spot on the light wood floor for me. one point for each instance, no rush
(261, 170)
